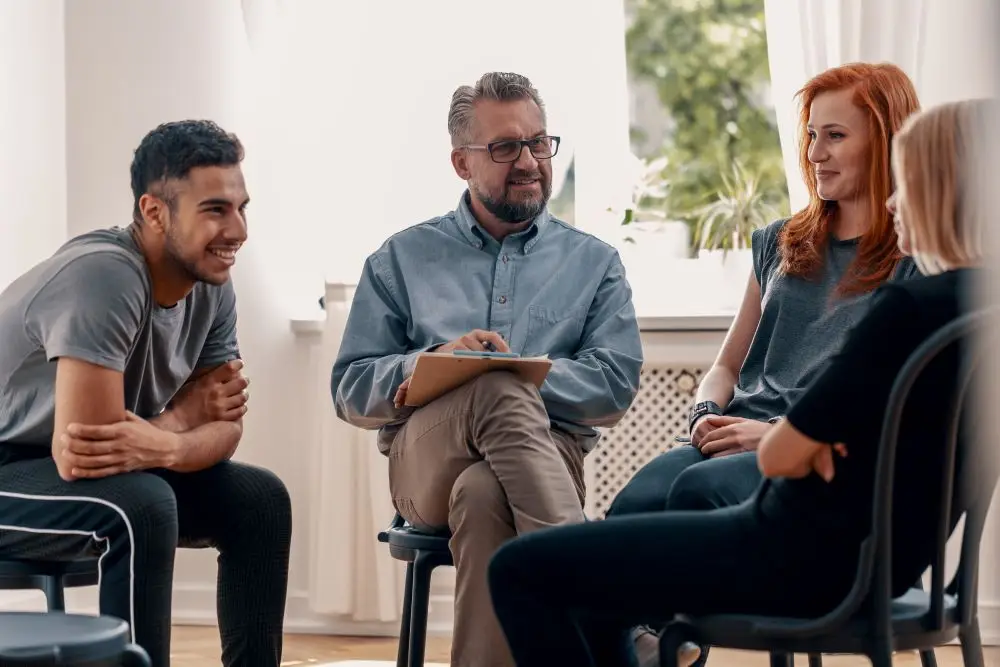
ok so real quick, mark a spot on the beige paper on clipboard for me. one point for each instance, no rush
(437, 373)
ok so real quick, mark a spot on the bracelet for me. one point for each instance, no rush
(702, 409)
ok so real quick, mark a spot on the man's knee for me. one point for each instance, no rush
(478, 502)
(259, 494)
(499, 389)
(147, 507)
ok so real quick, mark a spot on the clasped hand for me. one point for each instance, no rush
(220, 395)
(476, 341)
(92, 451)
(717, 435)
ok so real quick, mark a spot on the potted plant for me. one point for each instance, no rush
(723, 228)
(726, 224)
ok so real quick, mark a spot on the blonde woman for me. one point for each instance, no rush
(568, 595)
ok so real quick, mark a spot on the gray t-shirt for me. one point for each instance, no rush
(92, 300)
(802, 324)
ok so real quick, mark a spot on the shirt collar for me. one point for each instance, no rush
(477, 236)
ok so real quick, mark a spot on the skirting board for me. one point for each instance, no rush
(195, 605)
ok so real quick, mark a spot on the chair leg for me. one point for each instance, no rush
(972, 644)
(782, 659)
(419, 603)
(816, 660)
(403, 652)
(927, 658)
(53, 589)
(881, 656)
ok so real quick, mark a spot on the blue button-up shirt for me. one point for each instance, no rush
(550, 289)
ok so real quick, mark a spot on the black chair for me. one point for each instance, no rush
(422, 552)
(51, 577)
(869, 621)
(32, 638)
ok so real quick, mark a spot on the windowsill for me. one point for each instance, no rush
(679, 295)
(307, 326)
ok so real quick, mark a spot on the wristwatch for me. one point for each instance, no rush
(702, 409)
(774, 420)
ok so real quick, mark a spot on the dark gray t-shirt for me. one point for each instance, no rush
(92, 301)
(802, 324)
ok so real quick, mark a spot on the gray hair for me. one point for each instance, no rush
(496, 86)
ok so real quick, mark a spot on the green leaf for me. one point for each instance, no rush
(707, 61)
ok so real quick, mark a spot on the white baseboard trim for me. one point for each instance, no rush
(194, 604)
(989, 622)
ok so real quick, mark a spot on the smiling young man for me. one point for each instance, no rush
(122, 398)
(497, 457)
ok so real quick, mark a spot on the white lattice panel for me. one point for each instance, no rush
(658, 414)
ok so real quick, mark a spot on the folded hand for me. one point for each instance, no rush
(823, 464)
(220, 395)
(731, 435)
(92, 451)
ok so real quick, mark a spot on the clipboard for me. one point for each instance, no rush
(437, 373)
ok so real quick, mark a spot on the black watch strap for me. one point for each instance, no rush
(700, 410)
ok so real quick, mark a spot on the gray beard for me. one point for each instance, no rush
(515, 213)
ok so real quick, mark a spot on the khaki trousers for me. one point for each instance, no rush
(483, 461)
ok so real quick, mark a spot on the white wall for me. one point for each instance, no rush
(32, 134)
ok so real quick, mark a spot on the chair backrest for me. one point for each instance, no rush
(964, 332)
(874, 575)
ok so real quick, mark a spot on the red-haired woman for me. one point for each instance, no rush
(812, 274)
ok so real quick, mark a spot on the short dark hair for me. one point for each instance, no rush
(172, 150)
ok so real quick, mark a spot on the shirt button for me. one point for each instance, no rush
(504, 258)
(502, 299)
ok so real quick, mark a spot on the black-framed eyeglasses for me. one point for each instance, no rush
(509, 150)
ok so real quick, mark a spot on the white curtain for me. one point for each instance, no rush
(350, 573)
(805, 37)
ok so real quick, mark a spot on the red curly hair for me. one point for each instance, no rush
(888, 97)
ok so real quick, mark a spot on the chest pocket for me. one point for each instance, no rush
(555, 332)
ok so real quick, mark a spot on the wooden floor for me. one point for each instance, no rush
(199, 647)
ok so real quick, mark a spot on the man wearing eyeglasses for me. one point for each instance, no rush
(496, 457)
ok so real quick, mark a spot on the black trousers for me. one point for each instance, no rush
(569, 595)
(136, 521)
(682, 478)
